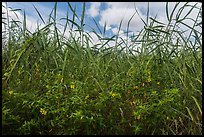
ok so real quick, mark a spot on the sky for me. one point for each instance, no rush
(107, 14)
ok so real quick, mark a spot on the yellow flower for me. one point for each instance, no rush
(138, 117)
(135, 87)
(158, 83)
(133, 102)
(114, 94)
(11, 92)
(72, 86)
(44, 112)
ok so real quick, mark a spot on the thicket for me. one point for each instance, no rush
(57, 85)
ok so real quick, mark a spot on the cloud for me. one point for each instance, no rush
(94, 9)
(112, 15)
(115, 31)
(118, 11)
(32, 17)
(18, 16)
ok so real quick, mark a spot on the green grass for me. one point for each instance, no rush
(57, 85)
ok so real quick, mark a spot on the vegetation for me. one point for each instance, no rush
(57, 85)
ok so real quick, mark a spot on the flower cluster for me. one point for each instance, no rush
(42, 111)
(72, 86)
(11, 92)
(133, 102)
(113, 94)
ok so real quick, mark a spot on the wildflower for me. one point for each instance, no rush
(158, 83)
(72, 86)
(10, 92)
(167, 118)
(133, 102)
(135, 87)
(42, 111)
(114, 94)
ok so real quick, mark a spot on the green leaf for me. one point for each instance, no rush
(39, 14)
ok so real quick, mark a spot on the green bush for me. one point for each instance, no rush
(53, 85)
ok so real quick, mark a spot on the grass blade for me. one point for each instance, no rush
(139, 15)
(39, 14)
(189, 112)
(167, 11)
(97, 26)
(147, 13)
(73, 10)
(197, 104)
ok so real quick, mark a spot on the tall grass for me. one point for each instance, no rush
(52, 84)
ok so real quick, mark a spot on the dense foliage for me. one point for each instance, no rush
(57, 85)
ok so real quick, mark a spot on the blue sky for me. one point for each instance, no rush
(110, 13)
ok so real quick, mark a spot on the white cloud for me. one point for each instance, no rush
(94, 9)
(120, 11)
(32, 17)
(112, 15)
(115, 31)
(116, 11)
